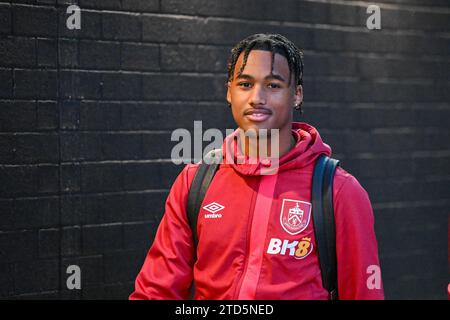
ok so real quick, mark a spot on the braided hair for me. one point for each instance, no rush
(275, 43)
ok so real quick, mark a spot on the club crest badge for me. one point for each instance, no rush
(295, 215)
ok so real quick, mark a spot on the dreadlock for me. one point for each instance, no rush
(275, 43)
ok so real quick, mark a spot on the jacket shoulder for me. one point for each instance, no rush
(344, 179)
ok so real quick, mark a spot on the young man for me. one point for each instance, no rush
(261, 243)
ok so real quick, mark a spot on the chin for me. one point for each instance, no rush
(258, 127)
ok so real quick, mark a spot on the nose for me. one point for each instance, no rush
(258, 96)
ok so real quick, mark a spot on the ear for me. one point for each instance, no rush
(298, 97)
(229, 92)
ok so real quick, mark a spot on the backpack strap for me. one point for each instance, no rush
(324, 225)
(202, 179)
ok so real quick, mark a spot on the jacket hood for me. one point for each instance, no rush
(308, 147)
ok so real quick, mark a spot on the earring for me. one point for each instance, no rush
(298, 107)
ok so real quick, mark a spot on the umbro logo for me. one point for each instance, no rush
(213, 207)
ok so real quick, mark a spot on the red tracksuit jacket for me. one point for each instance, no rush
(256, 236)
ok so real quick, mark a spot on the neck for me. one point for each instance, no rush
(271, 145)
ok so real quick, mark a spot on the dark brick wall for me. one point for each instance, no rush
(86, 117)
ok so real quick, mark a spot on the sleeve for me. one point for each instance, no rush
(359, 274)
(167, 271)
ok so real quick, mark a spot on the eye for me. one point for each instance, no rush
(274, 85)
(244, 84)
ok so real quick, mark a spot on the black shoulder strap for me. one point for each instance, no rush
(202, 179)
(324, 225)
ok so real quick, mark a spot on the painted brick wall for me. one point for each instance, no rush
(86, 117)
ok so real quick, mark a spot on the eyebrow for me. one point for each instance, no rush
(272, 76)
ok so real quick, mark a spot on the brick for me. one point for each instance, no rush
(71, 241)
(17, 115)
(102, 239)
(18, 52)
(113, 208)
(406, 190)
(68, 53)
(431, 165)
(170, 29)
(5, 20)
(119, 291)
(100, 116)
(157, 145)
(199, 31)
(90, 28)
(369, 42)
(380, 166)
(18, 246)
(159, 116)
(36, 84)
(80, 85)
(183, 87)
(433, 3)
(6, 280)
(29, 180)
(35, 213)
(70, 147)
(328, 40)
(47, 52)
(49, 241)
(140, 235)
(120, 207)
(121, 26)
(34, 21)
(122, 267)
(97, 209)
(334, 65)
(141, 176)
(70, 114)
(347, 15)
(141, 5)
(47, 179)
(91, 268)
(414, 288)
(31, 148)
(36, 276)
(6, 214)
(47, 116)
(72, 208)
(120, 146)
(120, 86)
(402, 19)
(6, 83)
(100, 4)
(428, 117)
(99, 55)
(140, 57)
(101, 177)
(194, 58)
(70, 178)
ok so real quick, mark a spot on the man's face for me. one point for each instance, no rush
(260, 100)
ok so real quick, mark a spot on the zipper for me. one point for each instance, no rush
(256, 238)
(247, 247)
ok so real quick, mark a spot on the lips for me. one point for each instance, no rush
(258, 114)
